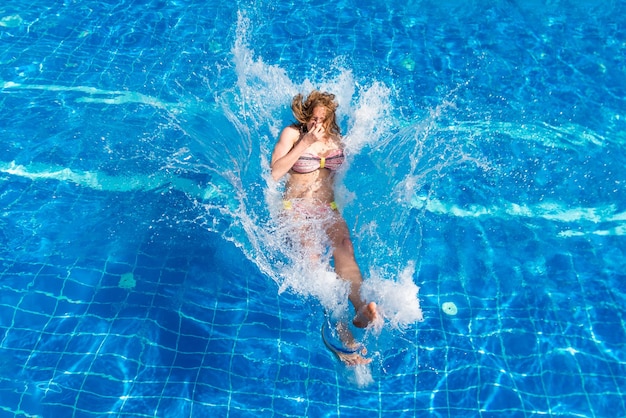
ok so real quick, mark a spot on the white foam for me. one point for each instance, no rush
(263, 89)
(319, 283)
(263, 98)
(370, 117)
(362, 375)
(397, 297)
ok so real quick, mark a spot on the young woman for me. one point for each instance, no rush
(310, 151)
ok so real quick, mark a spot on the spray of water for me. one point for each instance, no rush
(259, 108)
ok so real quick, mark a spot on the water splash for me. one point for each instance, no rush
(397, 297)
(261, 104)
(363, 375)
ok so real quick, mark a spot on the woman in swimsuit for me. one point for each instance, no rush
(310, 151)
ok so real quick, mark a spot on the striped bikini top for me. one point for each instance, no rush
(308, 163)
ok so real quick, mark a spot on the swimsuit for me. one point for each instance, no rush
(289, 204)
(313, 208)
(309, 209)
(308, 163)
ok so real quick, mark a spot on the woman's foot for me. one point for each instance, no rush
(365, 315)
(351, 352)
(352, 359)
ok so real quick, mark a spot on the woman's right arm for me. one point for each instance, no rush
(286, 153)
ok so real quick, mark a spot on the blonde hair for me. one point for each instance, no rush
(303, 110)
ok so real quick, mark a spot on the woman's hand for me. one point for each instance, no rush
(316, 134)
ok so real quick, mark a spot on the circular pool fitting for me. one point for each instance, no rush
(449, 308)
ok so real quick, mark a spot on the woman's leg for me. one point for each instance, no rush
(347, 268)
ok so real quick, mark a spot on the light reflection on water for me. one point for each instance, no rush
(483, 169)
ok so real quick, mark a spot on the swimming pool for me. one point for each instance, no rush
(140, 274)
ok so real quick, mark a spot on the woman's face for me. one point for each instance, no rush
(317, 118)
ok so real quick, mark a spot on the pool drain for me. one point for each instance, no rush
(449, 308)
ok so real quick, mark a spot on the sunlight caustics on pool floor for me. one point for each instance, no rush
(486, 154)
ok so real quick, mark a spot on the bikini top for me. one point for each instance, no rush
(308, 163)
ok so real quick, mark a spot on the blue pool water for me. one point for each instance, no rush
(141, 272)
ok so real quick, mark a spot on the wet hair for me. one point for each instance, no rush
(303, 110)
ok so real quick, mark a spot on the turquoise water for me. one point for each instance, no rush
(142, 273)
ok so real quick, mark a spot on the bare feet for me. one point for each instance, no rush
(350, 352)
(365, 315)
(352, 359)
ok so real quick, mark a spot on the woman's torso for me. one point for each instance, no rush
(312, 176)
